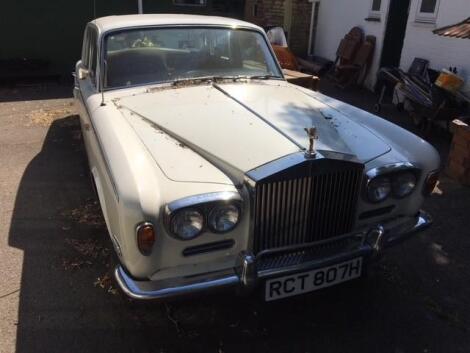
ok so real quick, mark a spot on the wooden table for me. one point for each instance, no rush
(301, 79)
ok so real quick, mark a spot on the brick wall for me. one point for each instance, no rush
(300, 28)
(271, 13)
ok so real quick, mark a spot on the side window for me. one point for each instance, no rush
(90, 53)
(85, 48)
(93, 59)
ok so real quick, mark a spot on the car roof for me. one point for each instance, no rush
(105, 24)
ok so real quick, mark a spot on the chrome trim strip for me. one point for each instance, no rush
(143, 224)
(276, 166)
(224, 196)
(392, 237)
(259, 116)
(251, 190)
(390, 168)
(291, 160)
(145, 290)
(244, 273)
(298, 247)
(116, 244)
(387, 169)
(363, 250)
(201, 200)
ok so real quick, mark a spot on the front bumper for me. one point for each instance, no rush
(246, 274)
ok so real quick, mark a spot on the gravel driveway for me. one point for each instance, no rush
(56, 292)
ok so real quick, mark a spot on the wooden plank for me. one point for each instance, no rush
(301, 79)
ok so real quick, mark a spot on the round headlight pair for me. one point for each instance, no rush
(400, 185)
(188, 223)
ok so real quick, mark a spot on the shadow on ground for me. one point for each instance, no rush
(69, 304)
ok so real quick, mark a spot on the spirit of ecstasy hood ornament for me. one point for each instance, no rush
(312, 136)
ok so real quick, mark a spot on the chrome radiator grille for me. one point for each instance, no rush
(318, 204)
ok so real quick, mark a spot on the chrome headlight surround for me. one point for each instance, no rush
(399, 175)
(207, 206)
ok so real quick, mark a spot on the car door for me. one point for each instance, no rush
(85, 92)
(85, 83)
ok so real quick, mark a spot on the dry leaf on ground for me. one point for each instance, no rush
(88, 247)
(76, 264)
(103, 281)
(89, 214)
(44, 117)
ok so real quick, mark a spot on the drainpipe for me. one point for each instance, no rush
(310, 49)
(288, 19)
(140, 6)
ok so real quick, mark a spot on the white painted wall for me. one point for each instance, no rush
(337, 17)
(442, 52)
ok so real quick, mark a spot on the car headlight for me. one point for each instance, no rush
(187, 224)
(403, 184)
(379, 189)
(223, 218)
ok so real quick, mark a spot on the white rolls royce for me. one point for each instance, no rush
(213, 171)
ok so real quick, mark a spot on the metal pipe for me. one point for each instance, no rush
(140, 6)
(312, 18)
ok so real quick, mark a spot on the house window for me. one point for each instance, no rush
(376, 5)
(375, 8)
(427, 10)
(190, 2)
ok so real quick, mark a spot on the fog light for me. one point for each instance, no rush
(145, 238)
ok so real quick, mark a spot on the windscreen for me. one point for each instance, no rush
(153, 55)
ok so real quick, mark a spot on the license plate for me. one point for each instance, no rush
(305, 282)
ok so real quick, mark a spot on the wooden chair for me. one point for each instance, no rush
(348, 46)
(355, 73)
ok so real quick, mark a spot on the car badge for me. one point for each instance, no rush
(312, 136)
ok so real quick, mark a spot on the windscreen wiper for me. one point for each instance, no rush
(192, 80)
(264, 77)
(205, 79)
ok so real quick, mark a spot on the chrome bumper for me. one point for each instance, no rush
(245, 275)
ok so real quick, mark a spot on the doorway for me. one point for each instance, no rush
(395, 32)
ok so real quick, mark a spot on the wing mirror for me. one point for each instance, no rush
(83, 73)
